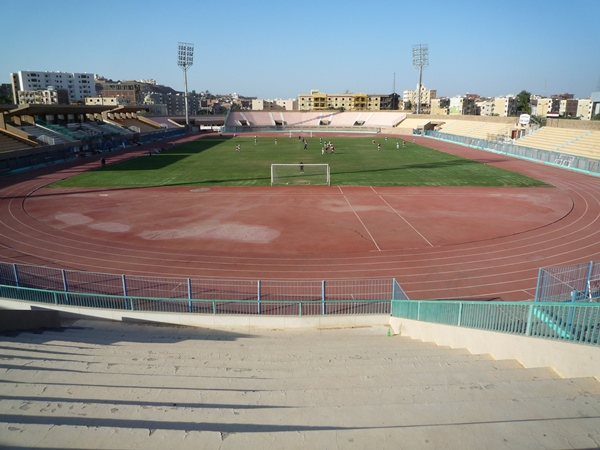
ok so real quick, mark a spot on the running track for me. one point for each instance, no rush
(463, 262)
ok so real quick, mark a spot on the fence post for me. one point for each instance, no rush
(538, 286)
(323, 297)
(128, 305)
(65, 286)
(16, 275)
(189, 284)
(588, 292)
(393, 289)
(529, 319)
(258, 287)
(460, 307)
(300, 308)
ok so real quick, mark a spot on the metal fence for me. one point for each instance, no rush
(578, 163)
(191, 295)
(573, 322)
(574, 283)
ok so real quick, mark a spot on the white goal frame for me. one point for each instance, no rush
(301, 174)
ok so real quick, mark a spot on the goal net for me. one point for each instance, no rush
(300, 174)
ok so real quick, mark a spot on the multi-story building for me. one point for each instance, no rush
(506, 106)
(568, 107)
(594, 104)
(318, 101)
(412, 97)
(545, 107)
(100, 100)
(78, 85)
(498, 106)
(585, 107)
(128, 92)
(440, 106)
(274, 105)
(462, 106)
(48, 96)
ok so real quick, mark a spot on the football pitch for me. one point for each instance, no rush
(357, 161)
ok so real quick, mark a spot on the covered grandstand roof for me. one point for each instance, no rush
(33, 110)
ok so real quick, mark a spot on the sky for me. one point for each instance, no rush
(281, 49)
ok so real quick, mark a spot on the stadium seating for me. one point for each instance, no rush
(548, 138)
(142, 385)
(9, 143)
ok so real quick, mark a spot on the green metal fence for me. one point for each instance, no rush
(302, 307)
(574, 322)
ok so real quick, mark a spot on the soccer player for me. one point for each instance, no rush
(302, 166)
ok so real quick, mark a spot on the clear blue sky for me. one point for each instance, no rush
(279, 49)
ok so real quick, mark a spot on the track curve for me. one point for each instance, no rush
(431, 261)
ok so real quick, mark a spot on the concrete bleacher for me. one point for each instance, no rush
(117, 385)
(39, 132)
(132, 123)
(9, 143)
(547, 138)
(587, 145)
(315, 119)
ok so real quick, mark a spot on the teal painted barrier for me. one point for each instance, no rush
(573, 322)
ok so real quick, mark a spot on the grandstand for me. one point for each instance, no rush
(473, 129)
(563, 140)
(373, 121)
(10, 142)
(62, 132)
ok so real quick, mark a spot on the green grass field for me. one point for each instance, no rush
(214, 162)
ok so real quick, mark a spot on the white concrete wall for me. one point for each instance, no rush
(568, 359)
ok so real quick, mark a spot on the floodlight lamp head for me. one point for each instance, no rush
(420, 56)
(185, 55)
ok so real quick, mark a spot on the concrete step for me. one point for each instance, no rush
(101, 385)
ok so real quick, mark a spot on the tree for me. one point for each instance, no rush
(524, 99)
(596, 117)
(407, 106)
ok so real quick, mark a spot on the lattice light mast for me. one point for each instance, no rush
(420, 61)
(185, 59)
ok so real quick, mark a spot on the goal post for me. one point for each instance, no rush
(300, 174)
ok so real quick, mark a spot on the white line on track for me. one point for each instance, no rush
(359, 219)
(402, 217)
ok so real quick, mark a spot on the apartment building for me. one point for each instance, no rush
(77, 85)
(412, 97)
(318, 101)
(50, 96)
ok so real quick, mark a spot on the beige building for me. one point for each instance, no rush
(440, 106)
(112, 101)
(584, 109)
(462, 106)
(318, 101)
(427, 95)
(274, 105)
(49, 96)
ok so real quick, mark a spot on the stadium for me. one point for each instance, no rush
(507, 270)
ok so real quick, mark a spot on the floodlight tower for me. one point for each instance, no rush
(420, 61)
(185, 59)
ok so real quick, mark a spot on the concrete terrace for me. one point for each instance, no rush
(102, 384)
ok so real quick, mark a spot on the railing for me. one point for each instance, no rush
(310, 307)
(573, 322)
(573, 283)
(579, 163)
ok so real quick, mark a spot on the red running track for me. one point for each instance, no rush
(437, 242)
